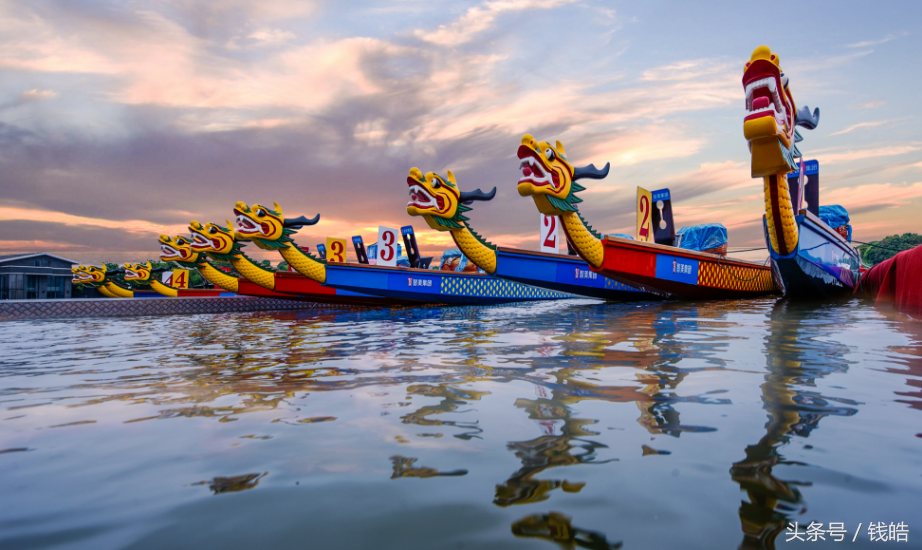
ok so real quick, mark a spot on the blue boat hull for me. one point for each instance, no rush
(824, 265)
(568, 274)
(434, 287)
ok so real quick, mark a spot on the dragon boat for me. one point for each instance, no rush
(221, 243)
(658, 267)
(441, 203)
(810, 258)
(269, 229)
(101, 278)
(144, 274)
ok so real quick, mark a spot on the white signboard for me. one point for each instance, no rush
(549, 234)
(387, 246)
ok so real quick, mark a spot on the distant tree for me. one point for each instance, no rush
(872, 255)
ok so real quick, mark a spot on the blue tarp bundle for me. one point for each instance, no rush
(701, 237)
(835, 216)
(451, 256)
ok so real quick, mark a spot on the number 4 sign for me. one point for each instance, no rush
(549, 234)
(336, 250)
(387, 246)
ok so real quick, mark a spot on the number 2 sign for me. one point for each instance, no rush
(549, 234)
(387, 246)
(336, 250)
(644, 215)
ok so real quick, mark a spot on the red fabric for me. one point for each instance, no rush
(897, 282)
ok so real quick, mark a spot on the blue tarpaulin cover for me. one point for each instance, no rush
(453, 256)
(835, 216)
(701, 237)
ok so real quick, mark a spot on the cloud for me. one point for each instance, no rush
(38, 95)
(8, 213)
(685, 70)
(861, 154)
(874, 196)
(871, 104)
(854, 127)
(480, 18)
(867, 43)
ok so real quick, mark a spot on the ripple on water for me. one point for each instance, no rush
(576, 423)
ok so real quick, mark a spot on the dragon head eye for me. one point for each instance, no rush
(212, 230)
(784, 81)
(549, 154)
(436, 183)
(180, 241)
(260, 213)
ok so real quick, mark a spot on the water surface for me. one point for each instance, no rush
(548, 425)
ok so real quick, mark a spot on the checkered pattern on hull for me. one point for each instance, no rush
(110, 307)
(733, 277)
(492, 287)
(615, 285)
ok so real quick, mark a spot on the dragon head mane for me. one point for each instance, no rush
(178, 249)
(266, 227)
(89, 275)
(772, 116)
(439, 201)
(216, 241)
(138, 273)
(549, 177)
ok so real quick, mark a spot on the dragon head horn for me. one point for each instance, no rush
(591, 172)
(147, 263)
(561, 150)
(451, 178)
(467, 197)
(278, 209)
(806, 119)
(300, 221)
(230, 226)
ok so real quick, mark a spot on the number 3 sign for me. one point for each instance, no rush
(549, 233)
(387, 246)
(336, 250)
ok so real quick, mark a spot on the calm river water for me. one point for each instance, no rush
(551, 425)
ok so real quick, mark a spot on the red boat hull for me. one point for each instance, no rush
(678, 273)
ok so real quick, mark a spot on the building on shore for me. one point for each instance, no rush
(37, 276)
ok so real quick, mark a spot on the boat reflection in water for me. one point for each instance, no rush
(556, 527)
(797, 356)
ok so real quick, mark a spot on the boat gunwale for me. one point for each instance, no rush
(617, 242)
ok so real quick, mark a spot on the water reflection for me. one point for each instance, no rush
(799, 351)
(506, 412)
(403, 467)
(558, 528)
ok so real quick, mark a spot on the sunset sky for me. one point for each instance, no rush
(123, 120)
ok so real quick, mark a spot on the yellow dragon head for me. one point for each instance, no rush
(214, 240)
(138, 273)
(177, 249)
(770, 123)
(89, 275)
(549, 177)
(266, 227)
(439, 201)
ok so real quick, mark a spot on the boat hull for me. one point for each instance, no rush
(683, 274)
(295, 283)
(824, 265)
(432, 286)
(568, 274)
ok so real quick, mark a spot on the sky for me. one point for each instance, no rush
(120, 121)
